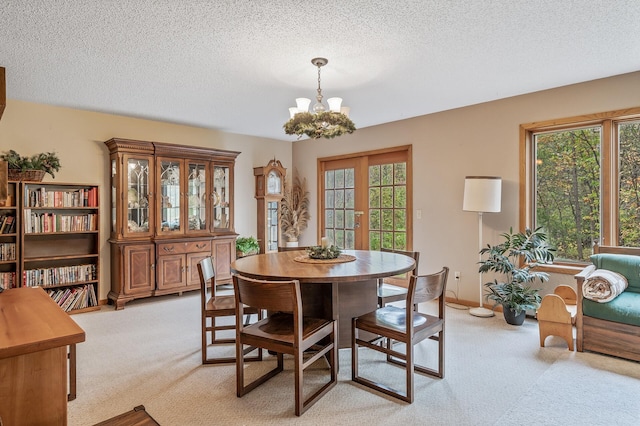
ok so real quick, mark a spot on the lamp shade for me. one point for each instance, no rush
(482, 194)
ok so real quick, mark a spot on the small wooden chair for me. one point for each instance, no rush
(557, 315)
(394, 289)
(284, 332)
(390, 323)
(215, 307)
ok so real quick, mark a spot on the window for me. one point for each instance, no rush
(581, 180)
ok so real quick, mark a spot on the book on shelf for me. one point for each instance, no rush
(7, 280)
(7, 252)
(43, 197)
(74, 298)
(7, 224)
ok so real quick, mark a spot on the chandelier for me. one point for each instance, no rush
(320, 122)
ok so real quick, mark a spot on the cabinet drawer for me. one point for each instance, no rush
(164, 249)
(198, 246)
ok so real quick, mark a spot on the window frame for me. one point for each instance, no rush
(608, 173)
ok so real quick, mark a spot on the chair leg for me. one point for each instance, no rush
(298, 378)
(241, 388)
(224, 341)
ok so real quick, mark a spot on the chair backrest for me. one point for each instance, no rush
(274, 296)
(424, 288)
(414, 254)
(206, 273)
(278, 296)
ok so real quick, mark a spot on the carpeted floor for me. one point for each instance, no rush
(149, 354)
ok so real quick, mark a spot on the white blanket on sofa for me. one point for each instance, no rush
(603, 285)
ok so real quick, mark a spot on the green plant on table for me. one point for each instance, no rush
(46, 161)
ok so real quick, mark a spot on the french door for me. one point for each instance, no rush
(366, 198)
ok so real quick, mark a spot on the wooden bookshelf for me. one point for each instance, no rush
(59, 242)
(9, 242)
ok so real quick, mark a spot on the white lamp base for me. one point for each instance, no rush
(481, 312)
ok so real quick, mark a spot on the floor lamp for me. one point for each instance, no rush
(482, 195)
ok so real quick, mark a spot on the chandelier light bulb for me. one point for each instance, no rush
(303, 104)
(334, 104)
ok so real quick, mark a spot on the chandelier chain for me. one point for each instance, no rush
(319, 95)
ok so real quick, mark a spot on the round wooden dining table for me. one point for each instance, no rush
(339, 291)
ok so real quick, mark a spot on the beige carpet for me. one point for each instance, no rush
(149, 354)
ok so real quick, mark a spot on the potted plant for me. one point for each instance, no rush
(31, 168)
(294, 209)
(516, 259)
(246, 246)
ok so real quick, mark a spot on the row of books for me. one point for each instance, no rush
(7, 251)
(61, 275)
(41, 197)
(51, 222)
(73, 298)
(7, 280)
(7, 224)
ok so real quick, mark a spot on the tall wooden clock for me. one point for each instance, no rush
(269, 192)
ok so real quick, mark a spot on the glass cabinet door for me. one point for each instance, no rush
(170, 196)
(196, 197)
(272, 226)
(138, 195)
(221, 194)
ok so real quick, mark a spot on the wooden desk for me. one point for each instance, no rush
(34, 335)
(338, 291)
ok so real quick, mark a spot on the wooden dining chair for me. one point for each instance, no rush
(214, 307)
(286, 331)
(394, 289)
(390, 323)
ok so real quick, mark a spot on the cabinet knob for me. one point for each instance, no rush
(201, 246)
(153, 266)
(168, 249)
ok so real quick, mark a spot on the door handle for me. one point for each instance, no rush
(358, 212)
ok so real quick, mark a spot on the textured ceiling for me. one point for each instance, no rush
(237, 65)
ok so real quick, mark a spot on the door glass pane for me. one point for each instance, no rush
(339, 207)
(387, 206)
(170, 195)
(137, 195)
(374, 175)
(197, 202)
(329, 179)
(387, 174)
(272, 226)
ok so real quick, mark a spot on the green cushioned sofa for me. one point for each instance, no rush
(611, 328)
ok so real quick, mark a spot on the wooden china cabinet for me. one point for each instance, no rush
(171, 206)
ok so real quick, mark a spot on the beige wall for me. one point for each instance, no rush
(447, 146)
(78, 136)
(475, 140)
